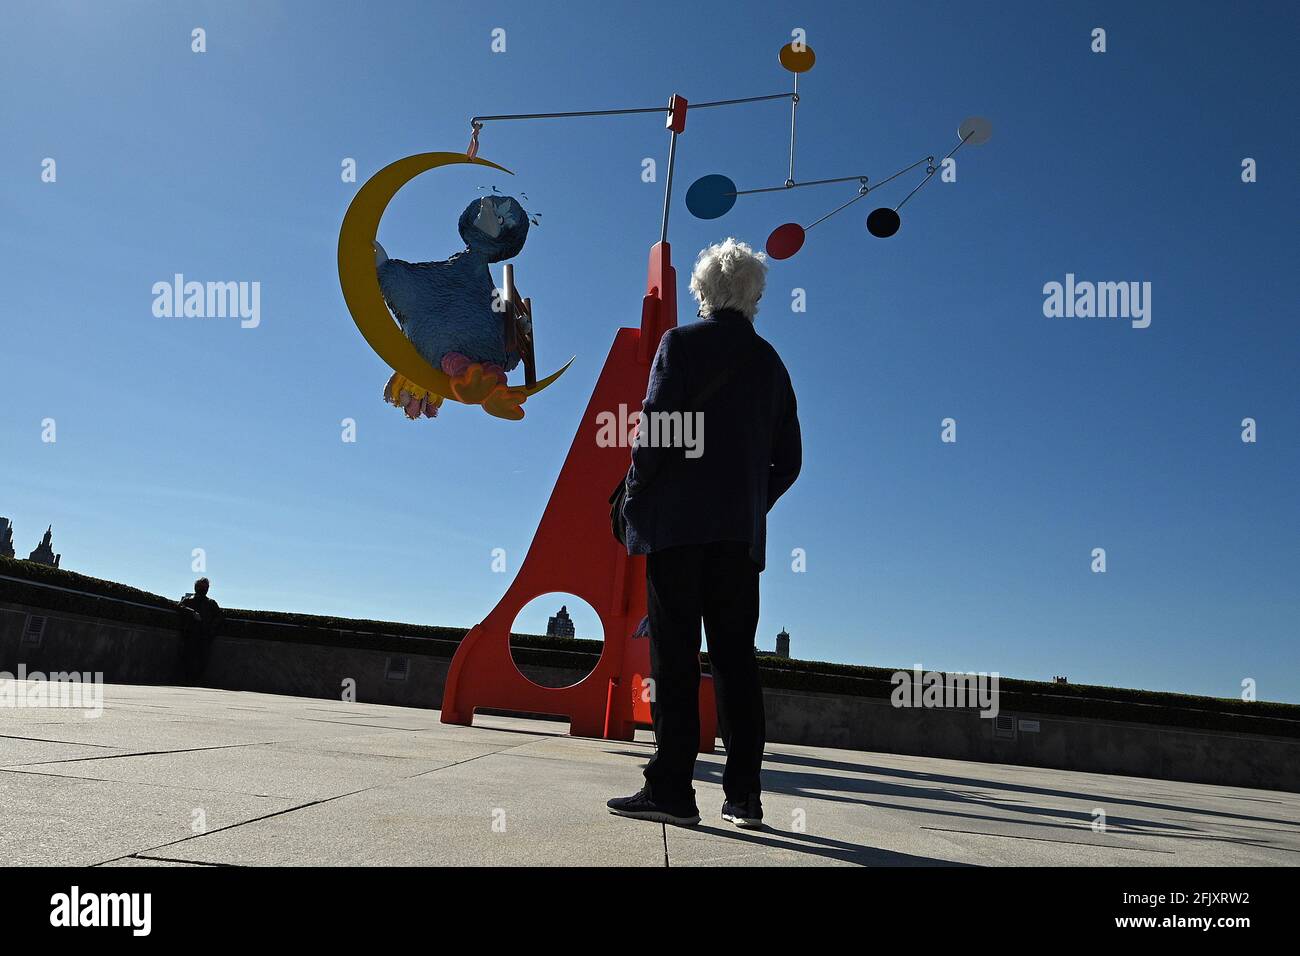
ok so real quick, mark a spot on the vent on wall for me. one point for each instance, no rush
(1004, 726)
(397, 668)
(34, 631)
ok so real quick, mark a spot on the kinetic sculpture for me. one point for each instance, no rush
(614, 698)
(712, 196)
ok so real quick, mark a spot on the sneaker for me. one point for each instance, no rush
(746, 814)
(642, 806)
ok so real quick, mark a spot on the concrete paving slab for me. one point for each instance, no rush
(149, 861)
(19, 750)
(962, 812)
(289, 781)
(64, 821)
(496, 810)
(270, 770)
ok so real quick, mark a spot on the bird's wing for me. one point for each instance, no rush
(409, 288)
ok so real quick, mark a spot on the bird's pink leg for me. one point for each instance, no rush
(454, 364)
(471, 381)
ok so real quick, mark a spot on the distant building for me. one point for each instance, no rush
(44, 553)
(1058, 679)
(560, 625)
(6, 538)
(782, 646)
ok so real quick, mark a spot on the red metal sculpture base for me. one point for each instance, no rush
(574, 552)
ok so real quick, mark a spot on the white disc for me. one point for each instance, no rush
(977, 128)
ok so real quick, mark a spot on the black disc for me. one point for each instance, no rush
(883, 222)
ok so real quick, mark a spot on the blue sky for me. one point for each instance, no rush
(1073, 434)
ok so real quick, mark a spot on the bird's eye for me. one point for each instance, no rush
(500, 221)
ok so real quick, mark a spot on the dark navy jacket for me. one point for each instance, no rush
(751, 447)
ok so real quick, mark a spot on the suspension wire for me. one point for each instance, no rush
(743, 99)
(917, 189)
(860, 195)
(839, 179)
(934, 169)
(811, 182)
(928, 159)
(529, 116)
(479, 120)
(874, 186)
(476, 122)
(867, 189)
(794, 106)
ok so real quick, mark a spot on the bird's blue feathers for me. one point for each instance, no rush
(447, 306)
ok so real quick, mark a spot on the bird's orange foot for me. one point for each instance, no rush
(473, 385)
(411, 398)
(506, 402)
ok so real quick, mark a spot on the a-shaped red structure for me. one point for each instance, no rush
(574, 551)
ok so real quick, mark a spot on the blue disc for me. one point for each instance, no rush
(711, 196)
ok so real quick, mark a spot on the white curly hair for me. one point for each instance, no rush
(729, 275)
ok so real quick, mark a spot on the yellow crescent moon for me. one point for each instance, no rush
(360, 280)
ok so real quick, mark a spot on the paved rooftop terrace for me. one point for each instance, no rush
(191, 776)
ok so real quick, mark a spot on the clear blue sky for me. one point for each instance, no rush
(1075, 434)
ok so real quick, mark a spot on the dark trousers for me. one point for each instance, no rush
(196, 645)
(717, 584)
(194, 658)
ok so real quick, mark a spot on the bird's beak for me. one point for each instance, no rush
(487, 219)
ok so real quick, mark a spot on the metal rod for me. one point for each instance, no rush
(811, 182)
(927, 159)
(927, 178)
(875, 186)
(527, 116)
(794, 106)
(743, 99)
(934, 169)
(668, 187)
(959, 145)
(639, 109)
(835, 210)
(839, 179)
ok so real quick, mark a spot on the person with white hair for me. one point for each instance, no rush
(697, 508)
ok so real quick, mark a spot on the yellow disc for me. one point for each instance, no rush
(360, 281)
(798, 61)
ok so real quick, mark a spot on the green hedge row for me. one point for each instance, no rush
(1280, 720)
(58, 577)
(40, 581)
(38, 590)
(1081, 700)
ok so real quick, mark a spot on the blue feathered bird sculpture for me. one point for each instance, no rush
(456, 318)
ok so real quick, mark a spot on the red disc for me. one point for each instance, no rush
(785, 241)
